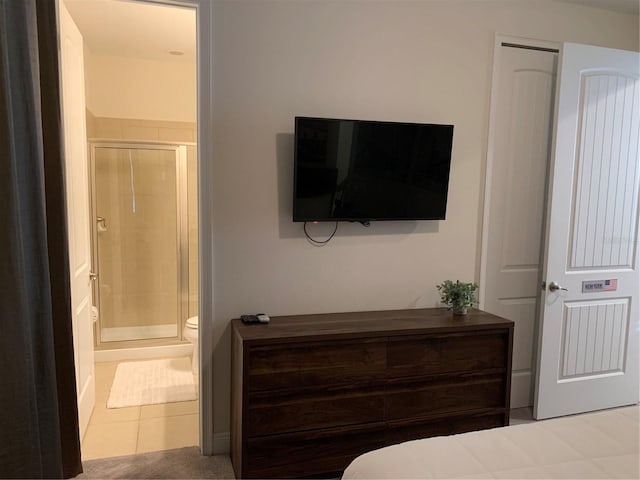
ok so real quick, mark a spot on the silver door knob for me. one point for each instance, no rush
(553, 287)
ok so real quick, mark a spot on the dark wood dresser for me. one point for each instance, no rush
(309, 393)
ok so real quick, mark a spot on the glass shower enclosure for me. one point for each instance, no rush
(139, 242)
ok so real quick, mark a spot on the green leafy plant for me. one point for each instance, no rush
(458, 296)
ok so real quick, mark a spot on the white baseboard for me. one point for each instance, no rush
(221, 443)
(521, 389)
(179, 350)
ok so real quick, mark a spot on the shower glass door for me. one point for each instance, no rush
(138, 241)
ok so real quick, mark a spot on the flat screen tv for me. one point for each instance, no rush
(360, 170)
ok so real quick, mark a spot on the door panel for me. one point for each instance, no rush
(592, 336)
(523, 91)
(588, 353)
(73, 109)
(603, 219)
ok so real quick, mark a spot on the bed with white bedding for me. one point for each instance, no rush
(601, 444)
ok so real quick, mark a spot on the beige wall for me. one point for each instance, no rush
(422, 61)
(163, 131)
(122, 87)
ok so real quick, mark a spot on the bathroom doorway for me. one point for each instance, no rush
(141, 83)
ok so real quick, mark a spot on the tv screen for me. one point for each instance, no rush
(358, 170)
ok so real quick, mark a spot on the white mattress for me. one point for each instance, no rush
(602, 444)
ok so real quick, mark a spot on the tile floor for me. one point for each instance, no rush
(125, 431)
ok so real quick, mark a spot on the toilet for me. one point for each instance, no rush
(190, 333)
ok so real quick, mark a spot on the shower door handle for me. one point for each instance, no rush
(102, 224)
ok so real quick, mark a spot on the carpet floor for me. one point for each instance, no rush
(180, 463)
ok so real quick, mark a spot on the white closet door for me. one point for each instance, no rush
(523, 96)
(588, 353)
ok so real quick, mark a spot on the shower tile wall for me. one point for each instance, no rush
(144, 130)
(152, 130)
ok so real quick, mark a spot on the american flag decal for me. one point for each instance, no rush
(593, 286)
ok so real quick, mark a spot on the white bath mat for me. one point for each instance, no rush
(153, 381)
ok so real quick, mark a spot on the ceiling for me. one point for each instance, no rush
(136, 29)
(620, 6)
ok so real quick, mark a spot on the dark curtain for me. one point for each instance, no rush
(38, 409)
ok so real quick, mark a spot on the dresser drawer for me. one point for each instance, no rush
(292, 411)
(325, 452)
(319, 364)
(425, 355)
(402, 431)
(429, 398)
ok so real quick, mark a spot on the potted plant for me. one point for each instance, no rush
(458, 296)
